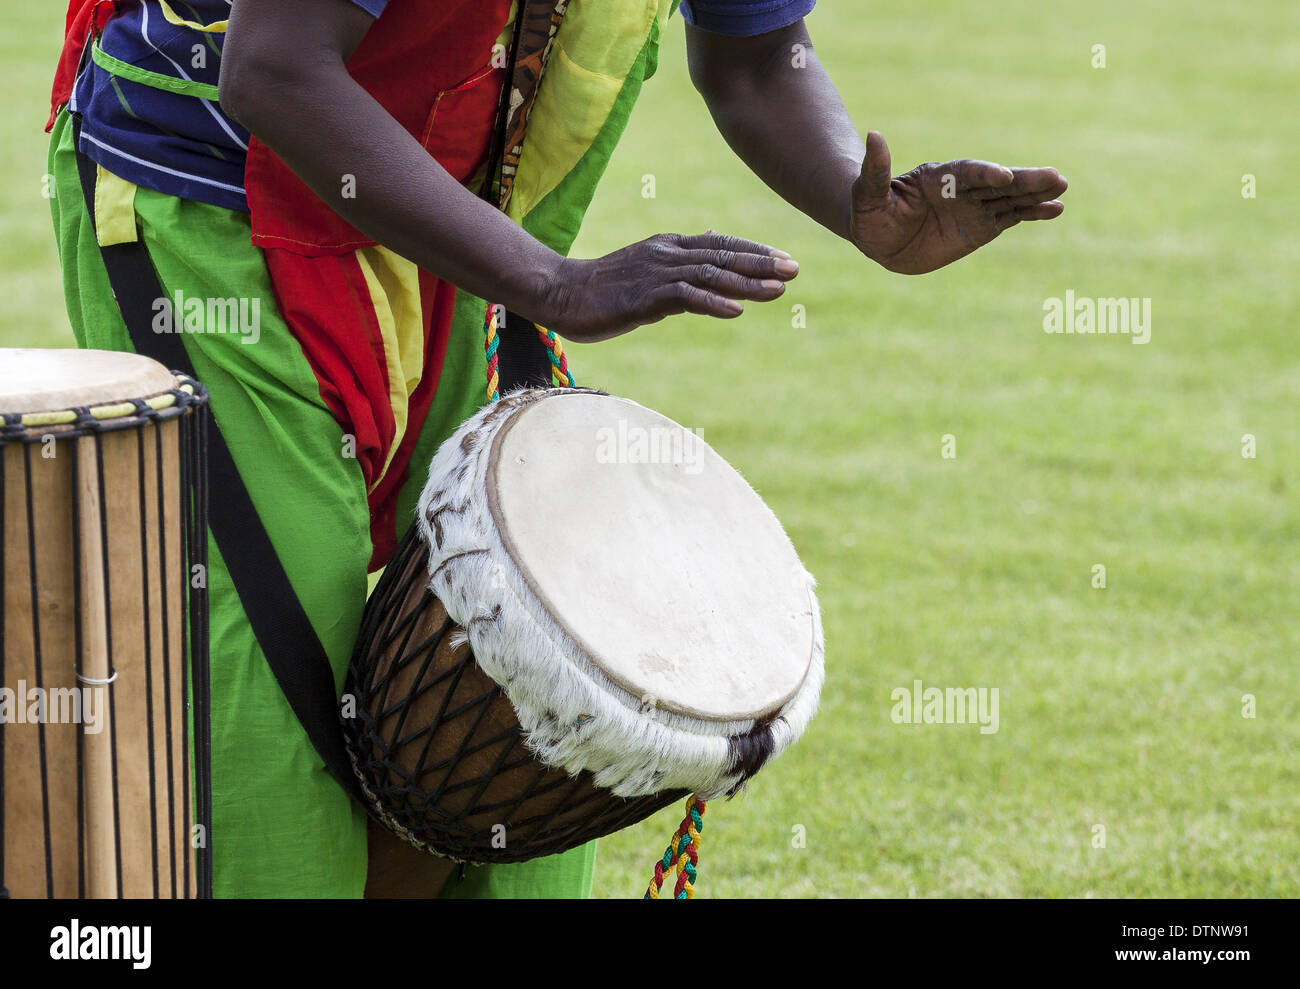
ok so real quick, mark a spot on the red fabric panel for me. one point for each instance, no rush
(438, 300)
(83, 16)
(427, 62)
(327, 305)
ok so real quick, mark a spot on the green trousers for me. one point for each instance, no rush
(281, 826)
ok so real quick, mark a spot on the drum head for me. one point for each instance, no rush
(654, 554)
(53, 380)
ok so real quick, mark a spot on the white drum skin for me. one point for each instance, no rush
(654, 554)
(34, 381)
(542, 528)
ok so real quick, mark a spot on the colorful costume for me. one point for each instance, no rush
(360, 364)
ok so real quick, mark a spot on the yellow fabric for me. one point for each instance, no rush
(595, 49)
(394, 286)
(216, 27)
(114, 208)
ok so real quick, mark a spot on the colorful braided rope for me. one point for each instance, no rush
(491, 343)
(682, 853)
(560, 372)
(559, 363)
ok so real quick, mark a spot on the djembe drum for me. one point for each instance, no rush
(103, 655)
(594, 616)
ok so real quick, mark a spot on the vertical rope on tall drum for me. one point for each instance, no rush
(141, 484)
(195, 670)
(36, 657)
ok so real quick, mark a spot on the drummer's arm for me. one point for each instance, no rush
(777, 108)
(283, 77)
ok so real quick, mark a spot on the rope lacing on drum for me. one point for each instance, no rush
(682, 853)
(83, 419)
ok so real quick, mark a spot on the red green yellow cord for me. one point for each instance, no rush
(491, 343)
(682, 853)
(559, 363)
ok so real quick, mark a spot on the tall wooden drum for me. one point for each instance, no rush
(103, 657)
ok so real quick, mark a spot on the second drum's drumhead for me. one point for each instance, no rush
(654, 554)
(52, 380)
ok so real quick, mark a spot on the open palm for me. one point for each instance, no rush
(937, 213)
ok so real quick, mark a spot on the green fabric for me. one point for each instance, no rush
(592, 55)
(568, 875)
(556, 219)
(652, 43)
(184, 87)
(462, 389)
(281, 825)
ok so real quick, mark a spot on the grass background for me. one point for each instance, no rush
(1120, 707)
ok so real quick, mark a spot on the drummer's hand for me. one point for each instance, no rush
(937, 213)
(667, 274)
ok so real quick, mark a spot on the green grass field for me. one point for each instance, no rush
(1120, 708)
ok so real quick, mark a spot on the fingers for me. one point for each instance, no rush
(1044, 183)
(1005, 203)
(682, 297)
(1036, 211)
(721, 281)
(712, 240)
(973, 174)
(873, 184)
(710, 289)
(707, 274)
(742, 263)
(710, 273)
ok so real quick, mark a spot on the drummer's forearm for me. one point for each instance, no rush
(364, 164)
(776, 107)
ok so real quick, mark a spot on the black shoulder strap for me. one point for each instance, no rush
(292, 648)
(522, 358)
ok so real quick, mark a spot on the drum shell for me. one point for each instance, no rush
(438, 746)
(135, 500)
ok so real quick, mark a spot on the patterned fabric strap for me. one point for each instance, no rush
(535, 31)
(535, 28)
